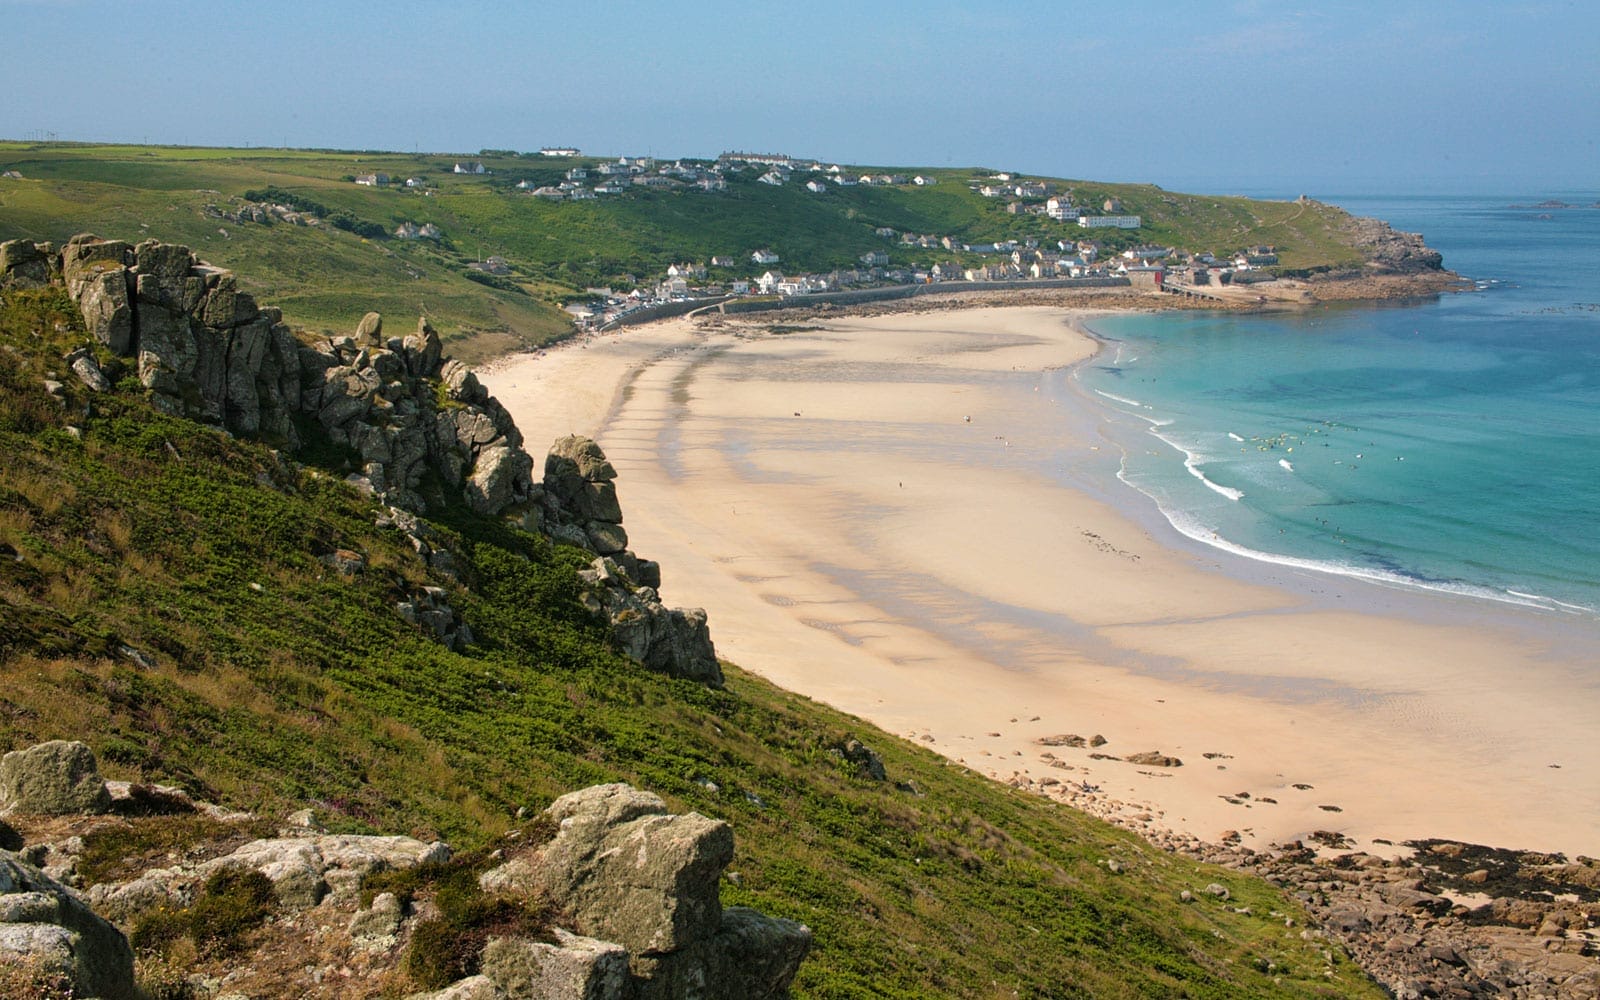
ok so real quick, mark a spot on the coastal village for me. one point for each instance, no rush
(1072, 256)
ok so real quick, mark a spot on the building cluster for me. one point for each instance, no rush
(1005, 260)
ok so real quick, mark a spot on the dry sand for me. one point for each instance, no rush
(873, 516)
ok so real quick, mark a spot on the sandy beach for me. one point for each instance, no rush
(877, 514)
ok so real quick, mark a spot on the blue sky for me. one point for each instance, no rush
(1232, 95)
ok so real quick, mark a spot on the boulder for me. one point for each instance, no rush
(424, 350)
(23, 265)
(88, 371)
(461, 384)
(576, 459)
(626, 870)
(369, 332)
(380, 921)
(43, 920)
(86, 256)
(573, 968)
(303, 870)
(471, 988)
(751, 957)
(107, 308)
(865, 759)
(58, 778)
(499, 478)
(605, 538)
(163, 275)
(1153, 758)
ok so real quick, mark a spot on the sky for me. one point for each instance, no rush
(1225, 96)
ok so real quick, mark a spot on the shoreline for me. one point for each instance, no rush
(788, 608)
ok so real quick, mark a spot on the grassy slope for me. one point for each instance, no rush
(328, 279)
(278, 682)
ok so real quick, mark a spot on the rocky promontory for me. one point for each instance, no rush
(415, 428)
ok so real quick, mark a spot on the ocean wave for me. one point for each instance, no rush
(1191, 527)
(1125, 401)
(1192, 461)
(1286, 466)
(1235, 437)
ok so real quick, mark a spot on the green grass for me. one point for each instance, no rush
(326, 279)
(279, 683)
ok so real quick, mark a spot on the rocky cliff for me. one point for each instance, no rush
(1390, 251)
(411, 420)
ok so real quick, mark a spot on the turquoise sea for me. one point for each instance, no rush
(1449, 444)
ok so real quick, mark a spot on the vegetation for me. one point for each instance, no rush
(233, 902)
(327, 276)
(163, 597)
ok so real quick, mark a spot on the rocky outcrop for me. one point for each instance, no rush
(203, 348)
(25, 264)
(58, 778)
(581, 508)
(675, 641)
(633, 890)
(578, 480)
(862, 759)
(431, 609)
(48, 925)
(1389, 251)
(626, 871)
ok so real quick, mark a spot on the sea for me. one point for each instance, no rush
(1448, 444)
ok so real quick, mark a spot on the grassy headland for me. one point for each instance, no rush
(323, 276)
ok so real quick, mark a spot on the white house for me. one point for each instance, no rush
(764, 257)
(609, 187)
(373, 180)
(739, 287)
(468, 168)
(1108, 221)
(577, 174)
(921, 181)
(874, 258)
(769, 282)
(771, 177)
(1060, 209)
(558, 151)
(816, 187)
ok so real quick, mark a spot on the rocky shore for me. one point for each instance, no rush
(1438, 919)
